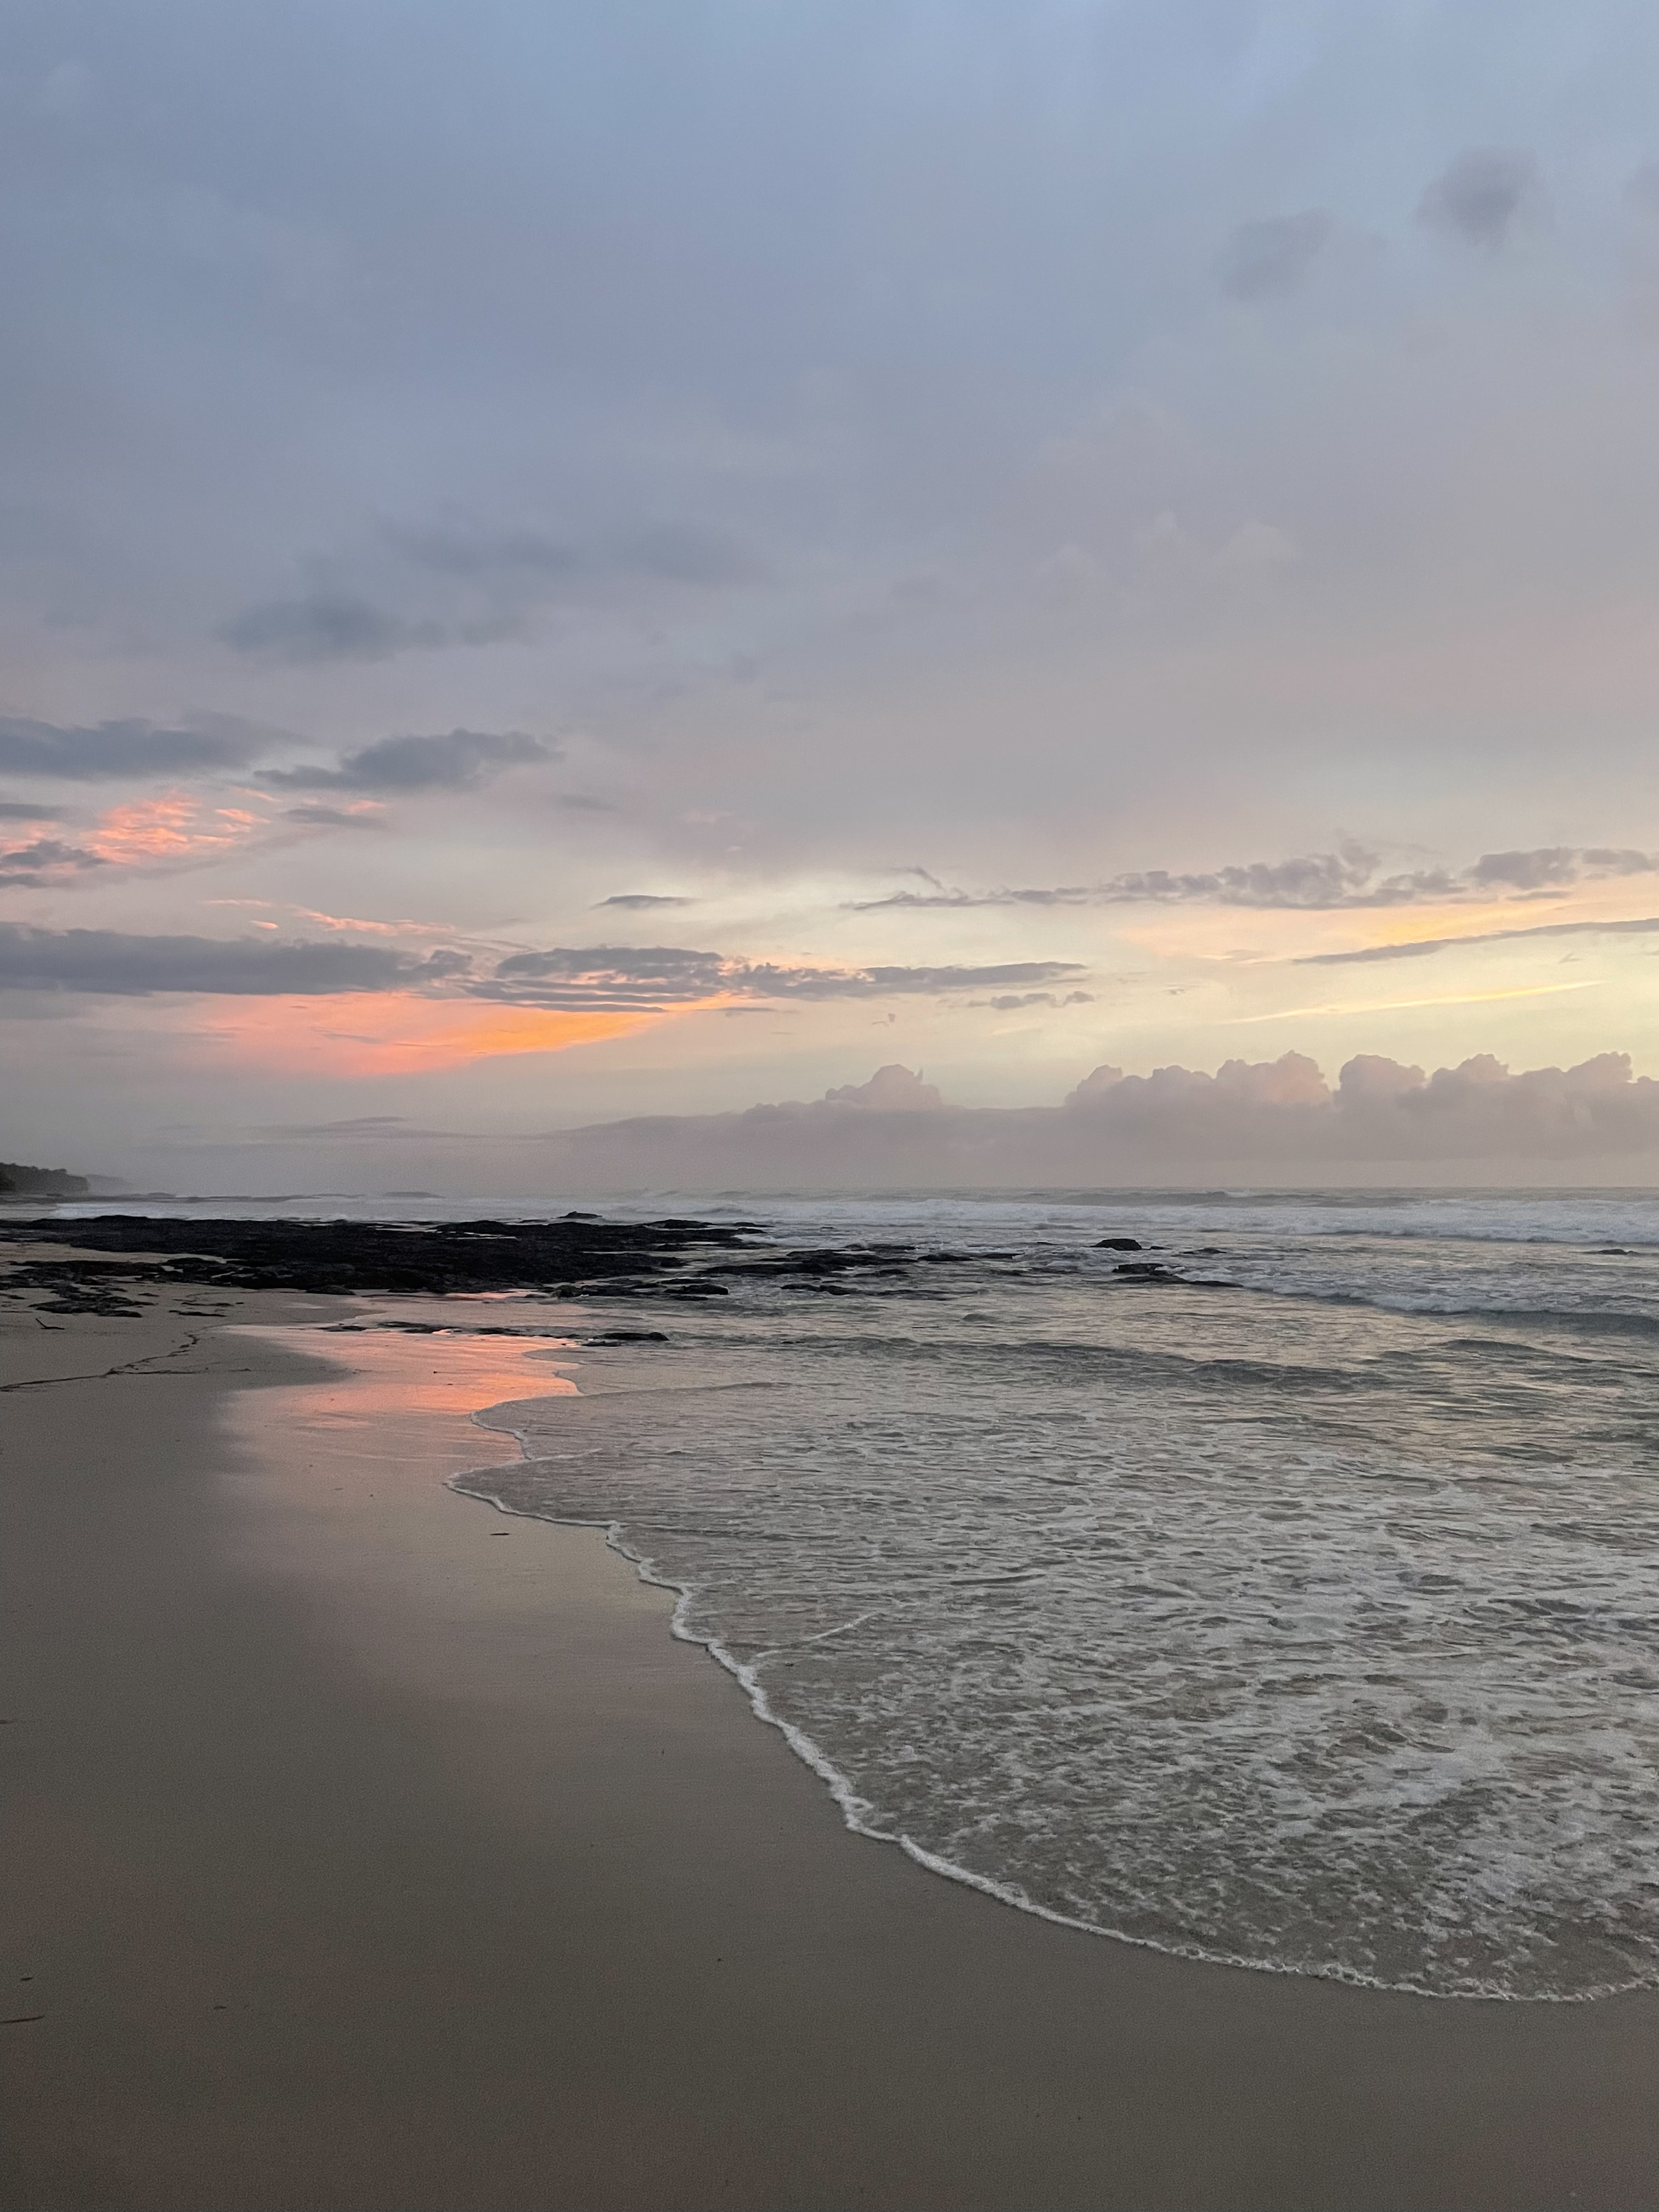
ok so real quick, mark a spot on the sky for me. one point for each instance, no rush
(564, 564)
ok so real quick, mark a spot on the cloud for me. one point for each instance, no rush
(890, 1089)
(126, 749)
(459, 550)
(614, 979)
(1012, 1001)
(19, 810)
(456, 762)
(680, 553)
(1315, 882)
(174, 827)
(663, 552)
(1479, 196)
(663, 976)
(888, 982)
(1550, 866)
(340, 625)
(1418, 948)
(1279, 1118)
(641, 900)
(335, 818)
(1270, 257)
(1380, 1110)
(116, 963)
(29, 866)
(608, 975)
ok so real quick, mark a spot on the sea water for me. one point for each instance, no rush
(1301, 1612)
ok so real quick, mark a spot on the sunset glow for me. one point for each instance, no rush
(396, 1033)
(863, 532)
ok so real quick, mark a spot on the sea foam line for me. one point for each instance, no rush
(859, 1814)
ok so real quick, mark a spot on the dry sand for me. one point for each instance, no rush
(365, 1849)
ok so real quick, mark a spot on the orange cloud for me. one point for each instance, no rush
(360, 927)
(399, 1033)
(174, 827)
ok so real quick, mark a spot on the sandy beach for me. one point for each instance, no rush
(367, 1849)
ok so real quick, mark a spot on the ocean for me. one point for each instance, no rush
(1284, 1591)
(1302, 1613)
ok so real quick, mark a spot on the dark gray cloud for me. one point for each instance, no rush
(661, 976)
(19, 810)
(1010, 1002)
(1272, 257)
(1553, 866)
(1315, 882)
(30, 865)
(330, 817)
(117, 963)
(1281, 1116)
(1479, 196)
(454, 762)
(1417, 948)
(601, 977)
(341, 626)
(641, 900)
(109, 750)
(606, 976)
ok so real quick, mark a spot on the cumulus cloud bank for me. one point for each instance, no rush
(1279, 1119)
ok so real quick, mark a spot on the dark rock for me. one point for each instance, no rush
(571, 1259)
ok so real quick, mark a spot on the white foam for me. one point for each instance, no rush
(1313, 1639)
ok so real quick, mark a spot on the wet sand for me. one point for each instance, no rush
(365, 1848)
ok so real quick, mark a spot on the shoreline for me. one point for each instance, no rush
(854, 1809)
(362, 1859)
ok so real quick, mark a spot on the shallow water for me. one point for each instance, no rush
(1304, 1616)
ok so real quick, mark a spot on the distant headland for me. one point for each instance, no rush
(17, 1180)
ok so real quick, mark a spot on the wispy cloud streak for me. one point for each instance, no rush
(1419, 947)
(1311, 883)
